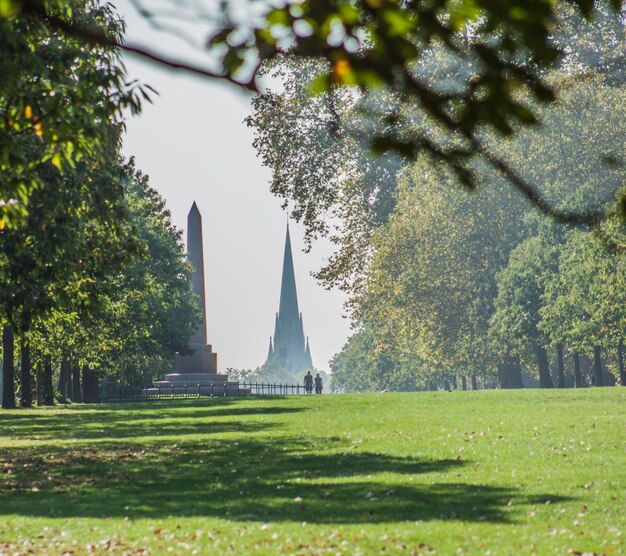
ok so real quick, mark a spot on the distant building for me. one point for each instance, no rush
(289, 350)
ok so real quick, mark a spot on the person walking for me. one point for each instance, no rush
(308, 382)
(318, 384)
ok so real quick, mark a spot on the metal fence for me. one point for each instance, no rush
(117, 393)
(272, 389)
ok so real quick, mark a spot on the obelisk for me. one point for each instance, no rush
(195, 254)
(203, 360)
(196, 373)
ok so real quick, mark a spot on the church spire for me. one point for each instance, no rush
(289, 348)
(288, 307)
(309, 360)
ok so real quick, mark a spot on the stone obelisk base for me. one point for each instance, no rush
(195, 373)
(202, 360)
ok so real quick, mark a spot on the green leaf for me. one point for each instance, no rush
(279, 17)
(399, 22)
(8, 8)
(57, 160)
(462, 12)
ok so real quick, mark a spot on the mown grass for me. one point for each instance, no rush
(496, 472)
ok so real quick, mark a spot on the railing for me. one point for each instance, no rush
(116, 393)
(272, 389)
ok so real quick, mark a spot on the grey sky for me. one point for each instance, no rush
(193, 144)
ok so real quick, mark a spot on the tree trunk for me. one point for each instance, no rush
(560, 366)
(8, 368)
(446, 385)
(85, 381)
(39, 385)
(26, 386)
(464, 382)
(65, 378)
(597, 365)
(474, 382)
(76, 393)
(578, 379)
(545, 380)
(510, 373)
(47, 395)
(620, 363)
(91, 387)
(96, 386)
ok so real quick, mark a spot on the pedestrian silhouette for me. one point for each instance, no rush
(308, 382)
(318, 384)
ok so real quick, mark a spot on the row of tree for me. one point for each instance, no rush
(451, 82)
(447, 281)
(94, 283)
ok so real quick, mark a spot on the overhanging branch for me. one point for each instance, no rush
(96, 38)
(591, 218)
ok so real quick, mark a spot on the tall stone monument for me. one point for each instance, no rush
(196, 372)
(203, 359)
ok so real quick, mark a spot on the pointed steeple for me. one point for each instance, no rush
(289, 344)
(270, 352)
(288, 307)
(309, 360)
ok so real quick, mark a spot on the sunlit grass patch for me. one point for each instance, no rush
(506, 472)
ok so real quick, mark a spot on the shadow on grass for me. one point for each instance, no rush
(277, 479)
(115, 421)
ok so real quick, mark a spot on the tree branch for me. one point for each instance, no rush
(97, 38)
(589, 218)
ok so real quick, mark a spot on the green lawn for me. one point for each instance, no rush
(465, 472)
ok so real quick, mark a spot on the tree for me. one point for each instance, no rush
(108, 286)
(58, 101)
(583, 127)
(448, 273)
(74, 234)
(584, 301)
(26, 391)
(369, 45)
(361, 366)
(8, 368)
(146, 311)
(320, 168)
(431, 285)
(57, 97)
(521, 286)
(317, 145)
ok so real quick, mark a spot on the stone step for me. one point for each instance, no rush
(195, 377)
(220, 384)
(205, 384)
(217, 390)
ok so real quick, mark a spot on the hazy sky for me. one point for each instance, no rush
(193, 144)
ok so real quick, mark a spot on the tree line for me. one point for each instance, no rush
(94, 283)
(455, 285)
(449, 95)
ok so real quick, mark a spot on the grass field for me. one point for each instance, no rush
(493, 472)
